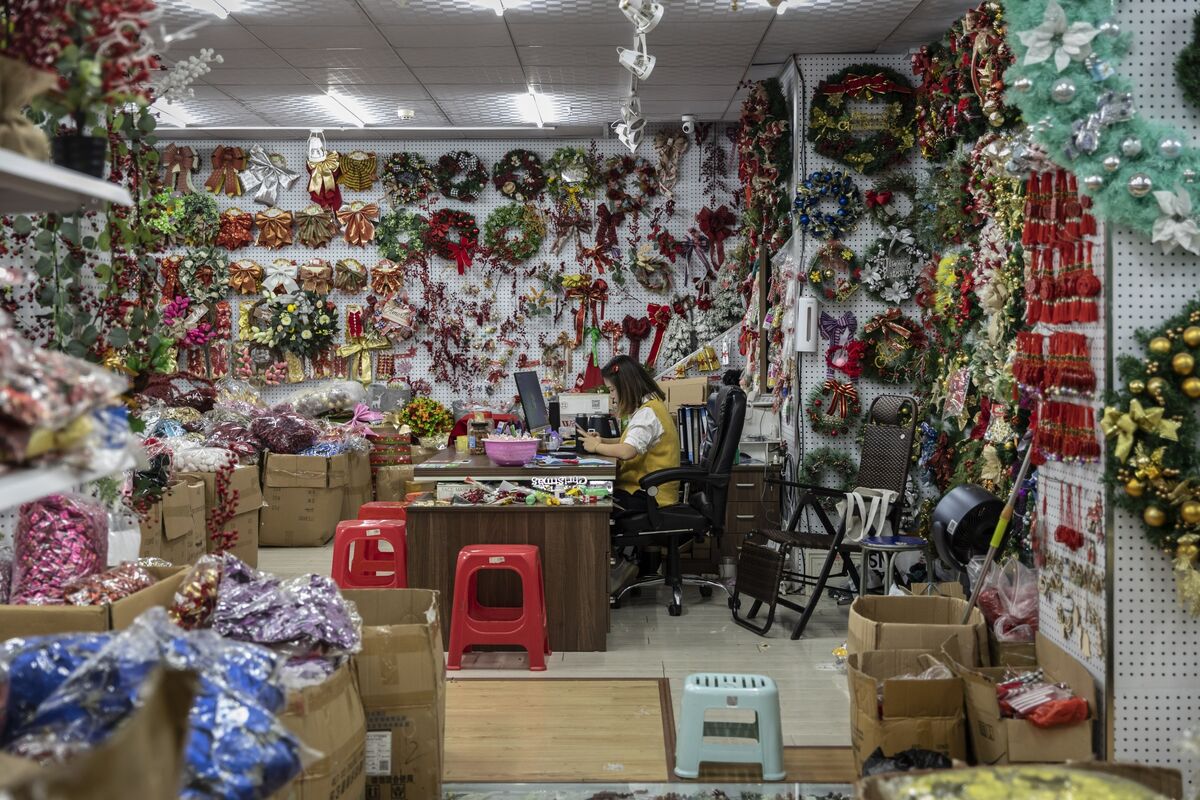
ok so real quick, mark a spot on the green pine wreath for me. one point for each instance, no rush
(895, 345)
(869, 143)
(519, 176)
(826, 404)
(514, 218)
(825, 460)
(1187, 66)
(401, 236)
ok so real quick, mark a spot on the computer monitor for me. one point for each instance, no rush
(533, 402)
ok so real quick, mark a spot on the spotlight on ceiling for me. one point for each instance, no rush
(638, 61)
(644, 14)
(406, 113)
(630, 127)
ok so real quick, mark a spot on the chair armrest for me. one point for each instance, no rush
(659, 477)
(821, 490)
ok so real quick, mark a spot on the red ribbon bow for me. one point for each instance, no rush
(717, 226)
(179, 163)
(463, 252)
(660, 317)
(636, 330)
(855, 84)
(878, 199)
(842, 397)
(227, 162)
(606, 226)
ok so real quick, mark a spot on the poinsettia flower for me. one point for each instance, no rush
(1055, 37)
(1175, 227)
(895, 293)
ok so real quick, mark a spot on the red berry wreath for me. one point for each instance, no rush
(460, 247)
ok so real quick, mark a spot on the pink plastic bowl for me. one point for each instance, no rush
(511, 453)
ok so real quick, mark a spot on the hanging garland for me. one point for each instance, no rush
(764, 152)
(1137, 169)
(401, 236)
(834, 408)
(571, 175)
(461, 250)
(1187, 66)
(1153, 465)
(460, 176)
(407, 179)
(945, 113)
(867, 142)
(894, 344)
(519, 176)
(984, 46)
(817, 463)
(826, 268)
(820, 187)
(885, 201)
(618, 171)
(298, 322)
(893, 270)
(525, 222)
(204, 275)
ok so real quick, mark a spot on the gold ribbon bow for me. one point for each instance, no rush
(387, 277)
(350, 275)
(323, 174)
(316, 276)
(358, 353)
(245, 276)
(274, 228)
(180, 163)
(358, 220)
(227, 162)
(1124, 425)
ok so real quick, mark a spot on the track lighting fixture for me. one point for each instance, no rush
(644, 14)
(638, 61)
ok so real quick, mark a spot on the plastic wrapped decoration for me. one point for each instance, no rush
(181, 389)
(235, 437)
(327, 396)
(196, 597)
(108, 586)
(1025, 782)
(282, 430)
(202, 459)
(58, 538)
(32, 668)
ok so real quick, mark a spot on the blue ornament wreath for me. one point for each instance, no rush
(817, 190)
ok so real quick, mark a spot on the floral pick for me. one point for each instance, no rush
(1054, 37)
(1175, 227)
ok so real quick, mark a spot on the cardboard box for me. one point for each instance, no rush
(303, 497)
(998, 740)
(685, 392)
(359, 488)
(244, 524)
(174, 530)
(915, 713)
(402, 678)
(40, 620)
(1011, 654)
(1167, 782)
(393, 483)
(916, 623)
(329, 718)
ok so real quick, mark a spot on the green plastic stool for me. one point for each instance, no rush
(708, 690)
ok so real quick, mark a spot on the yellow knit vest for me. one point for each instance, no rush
(663, 454)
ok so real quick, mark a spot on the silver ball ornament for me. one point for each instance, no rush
(1110, 28)
(996, 119)
(1063, 90)
(1022, 85)
(1189, 176)
(1112, 163)
(1131, 146)
(1140, 185)
(1170, 148)
(1093, 183)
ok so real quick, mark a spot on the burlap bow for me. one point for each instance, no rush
(322, 180)
(245, 276)
(281, 277)
(274, 228)
(1124, 425)
(350, 275)
(180, 163)
(842, 397)
(227, 162)
(387, 277)
(358, 222)
(717, 226)
(316, 276)
(568, 226)
(265, 174)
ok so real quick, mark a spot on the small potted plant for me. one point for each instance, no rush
(429, 420)
(30, 43)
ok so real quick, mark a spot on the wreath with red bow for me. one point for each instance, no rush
(869, 143)
(519, 176)
(895, 345)
(618, 170)
(523, 221)
(887, 201)
(460, 250)
(460, 176)
(834, 408)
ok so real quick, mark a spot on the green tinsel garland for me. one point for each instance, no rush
(1187, 66)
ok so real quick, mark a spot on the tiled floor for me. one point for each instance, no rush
(645, 641)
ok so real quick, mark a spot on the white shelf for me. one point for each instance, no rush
(29, 187)
(21, 486)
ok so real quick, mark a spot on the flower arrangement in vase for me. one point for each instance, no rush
(429, 421)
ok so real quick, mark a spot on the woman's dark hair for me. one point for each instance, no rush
(632, 383)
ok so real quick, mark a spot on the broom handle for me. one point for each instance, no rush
(998, 535)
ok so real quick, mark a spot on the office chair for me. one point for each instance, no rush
(701, 514)
(763, 560)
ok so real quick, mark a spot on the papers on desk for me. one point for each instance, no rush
(553, 461)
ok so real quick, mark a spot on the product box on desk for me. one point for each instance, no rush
(303, 498)
(1000, 740)
(916, 623)
(329, 719)
(685, 392)
(912, 713)
(174, 529)
(389, 447)
(402, 678)
(245, 482)
(41, 620)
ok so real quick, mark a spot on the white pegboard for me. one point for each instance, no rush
(1156, 645)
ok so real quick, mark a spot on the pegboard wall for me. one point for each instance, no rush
(1156, 645)
(504, 290)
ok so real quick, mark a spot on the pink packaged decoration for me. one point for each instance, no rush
(108, 587)
(58, 539)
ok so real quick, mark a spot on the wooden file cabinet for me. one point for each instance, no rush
(753, 503)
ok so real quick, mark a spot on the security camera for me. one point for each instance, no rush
(689, 123)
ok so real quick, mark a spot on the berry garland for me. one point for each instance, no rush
(894, 345)
(522, 219)
(882, 205)
(820, 187)
(1153, 466)
(407, 179)
(299, 322)
(892, 272)
(462, 250)
(827, 460)
(823, 271)
(460, 176)
(400, 236)
(834, 408)
(617, 172)
(572, 174)
(837, 130)
(204, 274)
(519, 176)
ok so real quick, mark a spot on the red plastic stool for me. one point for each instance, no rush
(353, 568)
(378, 509)
(475, 624)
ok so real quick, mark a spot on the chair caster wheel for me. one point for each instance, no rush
(614, 602)
(706, 591)
(674, 609)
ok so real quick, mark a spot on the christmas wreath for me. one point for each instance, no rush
(204, 274)
(827, 460)
(460, 176)
(519, 176)
(1153, 461)
(893, 270)
(826, 268)
(886, 200)
(834, 408)
(894, 347)
(523, 220)
(572, 174)
(400, 236)
(298, 322)
(828, 186)
(868, 142)
(460, 249)
(407, 179)
(197, 220)
(618, 171)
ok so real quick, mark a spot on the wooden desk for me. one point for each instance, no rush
(573, 541)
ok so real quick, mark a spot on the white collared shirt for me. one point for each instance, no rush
(644, 428)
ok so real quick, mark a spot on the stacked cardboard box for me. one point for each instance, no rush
(41, 620)
(174, 529)
(305, 497)
(917, 623)
(328, 718)
(243, 481)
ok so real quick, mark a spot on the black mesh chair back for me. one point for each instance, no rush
(719, 456)
(887, 447)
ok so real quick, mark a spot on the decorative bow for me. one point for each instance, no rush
(839, 331)
(867, 85)
(889, 321)
(358, 355)
(463, 252)
(1176, 227)
(832, 328)
(227, 162)
(668, 245)
(361, 420)
(180, 163)
(274, 228)
(606, 226)
(698, 243)
(1054, 37)
(592, 294)
(878, 199)
(169, 269)
(322, 180)
(1124, 425)
(281, 277)
(660, 317)
(387, 278)
(265, 174)
(245, 276)
(671, 148)
(316, 276)
(358, 220)
(571, 225)
(843, 396)
(350, 275)
(1111, 109)
(717, 226)
(315, 226)
(613, 331)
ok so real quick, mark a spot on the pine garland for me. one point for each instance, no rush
(1187, 66)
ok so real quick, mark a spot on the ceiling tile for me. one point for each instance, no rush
(218, 37)
(258, 57)
(734, 30)
(337, 75)
(416, 57)
(428, 12)
(318, 36)
(208, 93)
(221, 76)
(613, 33)
(608, 74)
(394, 94)
(846, 26)
(665, 109)
(468, 76)
(673, 55)
(274, 93)
(667, 75)
(931, 19)
(300, 12)
(220, 112)
(341, 57)
(300, 111)
(459, 35)
(686, 92)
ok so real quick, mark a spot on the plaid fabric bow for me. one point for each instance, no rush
(571, 225)
(832, 328)
(350, 275)
(227, 162)
(180, 163)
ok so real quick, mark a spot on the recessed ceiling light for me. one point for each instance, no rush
(405, 113)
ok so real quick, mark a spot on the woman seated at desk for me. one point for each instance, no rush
(650, 442)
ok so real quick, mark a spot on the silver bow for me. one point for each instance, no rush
(266, 173)
(281, 275)
(1111, 108)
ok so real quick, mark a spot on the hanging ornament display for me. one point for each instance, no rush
(629, 183)
(518, 175)
(401, 236)
(833, 408)
(407, 179)
(983, 36)
(514, 233)
(894, 346)
(764, 154)
(946, 110)
(868, 141)
(454, 235)
(460, 176)
(267, 173)
(835, 272)
(316, 226)
(820, 188)
(893, 266)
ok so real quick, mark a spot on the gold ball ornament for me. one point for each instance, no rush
(1160, 345)
(1135, 488)
(1183, 363)
(1190, 511)
(1191, 387)
(1137, 386)
(1154, 517)
(1191, 336)
(1156, 385)
(1189, 552)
